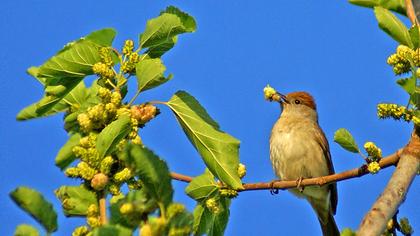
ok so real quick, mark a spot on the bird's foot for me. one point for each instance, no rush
(273, 190)
(298, 183)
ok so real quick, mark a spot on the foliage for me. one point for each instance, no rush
(104, 150)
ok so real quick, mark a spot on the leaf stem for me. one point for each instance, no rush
(134, 97)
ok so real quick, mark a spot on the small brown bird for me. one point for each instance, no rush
(299, 149)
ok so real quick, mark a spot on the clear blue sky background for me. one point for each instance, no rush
(332, 49)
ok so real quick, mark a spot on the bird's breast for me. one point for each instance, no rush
(295, 151)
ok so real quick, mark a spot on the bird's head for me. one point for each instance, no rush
(298, 104)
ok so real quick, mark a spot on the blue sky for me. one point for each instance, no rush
(331, 49)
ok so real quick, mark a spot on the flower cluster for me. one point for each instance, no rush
(241, 170)
(373, 151)
(396, 112)
(81, 231)
(227, 192)
(107, 173)
(373, 167)
(271, 94)
(404, 59)
(213, 205)
(132, 58)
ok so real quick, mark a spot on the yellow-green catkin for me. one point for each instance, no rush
(212, 205)
(373, 167)
(126, 208)
(386, 110)
(400, 61)
(92, 216)
(373, 151)
(128, 47)
(81, 231)
(174, 209)
(269, 93)
(123, 175)
(226, 192)
(241, 170)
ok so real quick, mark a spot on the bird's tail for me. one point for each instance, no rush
(329, 227)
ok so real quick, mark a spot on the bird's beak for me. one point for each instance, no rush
(283, 98)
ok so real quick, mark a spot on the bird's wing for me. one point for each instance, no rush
(323, 142)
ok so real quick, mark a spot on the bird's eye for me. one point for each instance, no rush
(297, 102)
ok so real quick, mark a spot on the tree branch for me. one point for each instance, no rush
(349, 174)
(411, 14)
(375, 221)
(102, 209)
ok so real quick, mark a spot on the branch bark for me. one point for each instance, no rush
(102, 210)
(385, 207)
(349, 174)
(411, 13)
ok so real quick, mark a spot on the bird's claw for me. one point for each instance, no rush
(298, 183)
(273, 190)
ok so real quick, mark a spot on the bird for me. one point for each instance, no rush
(299, 150)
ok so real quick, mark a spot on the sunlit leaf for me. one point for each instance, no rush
(149, 73)
(153, 172)
(408, 84)
(209, 223)
(66, 156)
(35, 204)
(160, 33)
(202, 186)
(75, 200)
(219, 150)
(393, 5)
(346, 140)
(389, 23)
(415, 36)
(26, 230)
(113, 133)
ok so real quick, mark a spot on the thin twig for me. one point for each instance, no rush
(410, 11)
(349, 174)
(102, 209)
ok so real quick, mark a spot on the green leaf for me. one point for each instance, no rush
(35, 204)
(141, 202)
(219, 150)
(112, 230)
(102, 37)
(160, 49)
(26, 230)
(109, 137)
(415, 99)
(153, 172)
(77, 97)
(391, 25)
(202, 186)
(149, 74)
(76, 199)
(346, 140)
(365, 3)
(73, 63)
(66, 156)
(206, 222)
(408, 84)
(393, 5)
(415, 36)
(33, 71)
(162, 29)
(187, 21)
